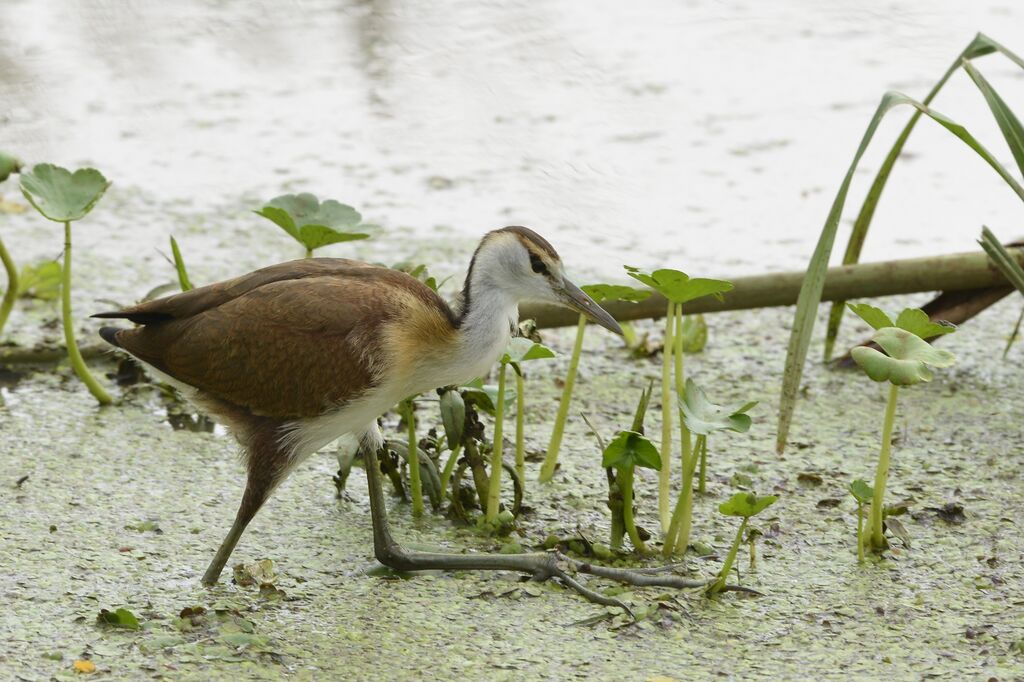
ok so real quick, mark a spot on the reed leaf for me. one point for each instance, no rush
(814, 282)
(979, 47)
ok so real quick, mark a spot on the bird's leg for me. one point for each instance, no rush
(540, 565)
(252, 500)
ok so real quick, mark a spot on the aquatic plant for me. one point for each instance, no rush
(862, 493)
(40, 280)
(753, 535)
(1011, 270)
(746, 506)
(906, 361)
(313, 223)
(520, 350)
(179, 266)
(814, 282)
(701, 417)
(65, 197)
(8, 166)
(678, 288)
(626, 451)
(600, 293)
(407, 410)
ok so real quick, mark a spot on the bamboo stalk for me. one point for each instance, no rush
(954, 272)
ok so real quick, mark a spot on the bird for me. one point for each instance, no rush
(292, 356)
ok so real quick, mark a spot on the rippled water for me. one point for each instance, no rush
(709, 136)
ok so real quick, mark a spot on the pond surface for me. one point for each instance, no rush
(705, 136)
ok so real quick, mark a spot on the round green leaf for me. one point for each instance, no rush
(861, 491)
(917, 322)
(704, 417)
(906, 359)
(522, 349)
(604, 293)
(629, 449)
(746, 504)
(875, 317)
(60, 195)
(677, 286)
(312, 223)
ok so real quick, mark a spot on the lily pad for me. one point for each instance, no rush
(746, 504)
(906, 360)
(704, 417)
(630, 448)
(677, 286)
(60, 195)
(605, 293)
(312, 223)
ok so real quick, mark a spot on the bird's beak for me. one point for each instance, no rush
(573, 297)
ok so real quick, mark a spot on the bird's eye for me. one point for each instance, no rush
(538, 265)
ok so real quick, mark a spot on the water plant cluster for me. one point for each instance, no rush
(455, 467)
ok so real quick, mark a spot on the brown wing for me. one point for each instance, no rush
(288, 341)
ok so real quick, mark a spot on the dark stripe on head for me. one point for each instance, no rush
(531, 237)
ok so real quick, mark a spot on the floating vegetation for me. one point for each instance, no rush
(313, 223)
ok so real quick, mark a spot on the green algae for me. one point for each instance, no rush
(74, 544)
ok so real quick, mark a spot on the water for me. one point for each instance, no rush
(707, 136)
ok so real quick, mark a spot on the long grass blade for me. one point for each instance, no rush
(1008, 122)
(179, 264)
(1014, 335)
(1007, 265)
(981, 45)
(814, 282)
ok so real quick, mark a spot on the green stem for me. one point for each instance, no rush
(860, 532)
(678, 537)
(309, 253)
(882, 472)
(618, 529)
(753, 556)
(12, 285)
(547, 470)
(494, 484)
(520, 436)
(664, 475)
(1009, 342)
(703, 467)
(414, 462)
(719, 584)
(625, 479)
(77, 363)
(629, 335)
(449, 467)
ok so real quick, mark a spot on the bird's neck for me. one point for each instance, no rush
(486, 320)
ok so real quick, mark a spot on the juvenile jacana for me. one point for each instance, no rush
(292, 356)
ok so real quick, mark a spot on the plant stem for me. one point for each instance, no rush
(77, 363)
(860, 532)
(629, 335)
(414, 462)
(520, 436)
(678, 537)
(703, 466)
(625, 479)
(1009, 342)
(686, 448)
(547, 470)
(753, 555)
(719, 584)
(664, 475)
(618, 528)
(12, 285)
(882, 472)
(309, 253)
(494, 484)
(449, 467)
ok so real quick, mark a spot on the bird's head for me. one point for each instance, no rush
(522, 265)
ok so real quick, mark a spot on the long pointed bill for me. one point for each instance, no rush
(573, 297)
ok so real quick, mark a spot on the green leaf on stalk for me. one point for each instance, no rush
(40, 280)
(521, 349)
(704, 417)
(913, 320)
(814, 280)
(906, 359)
(453, 416)
(629, 449)
(314, 224)
(122, 618)
(746, 504)
(485, 396)
(605, 293)
(861, 491)
(60, 195)
(677, 286)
